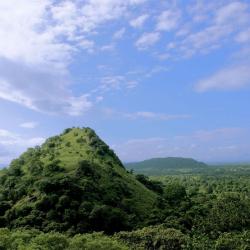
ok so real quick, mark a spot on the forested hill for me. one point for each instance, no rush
(58, 195)
(161, 166)
(74, 182)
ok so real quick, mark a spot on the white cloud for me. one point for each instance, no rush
(243, 36)
(234, 12)
(38, 41)
(157, 70)
(29, 125)
(168, 20)
(209, 38)
(230, 78)
(40, 90)
(12, 144)
(24, 21)
(86, 45)
(119, 34)
(108, 47)
(116, 82)
(147, 40)
(10, 138)
(145, 115)
(6, 134)
(99, 99)
(139, 21)
(155, 116)
(209, 26)
(136, 1)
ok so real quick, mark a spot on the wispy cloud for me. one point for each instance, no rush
(115, 82)
(119, 34)
(168, 20)
(147, 40)
(155, 116)
(230, 78)
(144, 115)
(108, 47)
(205, 27)
(10, 138)
(29, 125)
(156, 70)
(243, 36)
(139, 21)
(227, 20)
(12, 144)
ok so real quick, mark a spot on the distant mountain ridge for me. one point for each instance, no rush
(160, 166)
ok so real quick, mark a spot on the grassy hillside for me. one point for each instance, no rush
(161, 166)
(72, 182)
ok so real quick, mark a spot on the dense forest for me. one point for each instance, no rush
(74, 193)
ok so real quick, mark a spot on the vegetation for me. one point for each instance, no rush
(34, 240)
(74, 193)
(78, 188)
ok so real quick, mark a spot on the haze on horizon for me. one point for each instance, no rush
(153, 79)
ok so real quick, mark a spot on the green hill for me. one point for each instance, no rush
(74, 182)
(161, 166)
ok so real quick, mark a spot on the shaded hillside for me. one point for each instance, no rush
(72, 182)
(161, 166)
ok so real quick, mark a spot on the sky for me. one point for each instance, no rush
(153, 78)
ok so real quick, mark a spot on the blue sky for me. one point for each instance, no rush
(153, 78)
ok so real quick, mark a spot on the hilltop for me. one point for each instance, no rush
(161, 166)
(73, 182)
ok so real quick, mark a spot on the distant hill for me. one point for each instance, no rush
(74, 182)
(161, 166)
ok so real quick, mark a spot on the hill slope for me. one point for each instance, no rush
(72, 182)
(161, 166)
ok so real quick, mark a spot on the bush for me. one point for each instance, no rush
(233, 241)
(108, 219)
(49, 241)
(229, 212)
(36, 240)
(175, 193)
(157, 237)
(95, 241)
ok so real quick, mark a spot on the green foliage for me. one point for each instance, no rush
(95, 241)
(157, 237)
(49, 241)
(35, 240)
(175, 192)
(108, 219)
(229, 212)
(233, 241)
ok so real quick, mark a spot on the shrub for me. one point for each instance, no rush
(95, 241)
(49, 241)
(156, 237)
(233, 241)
